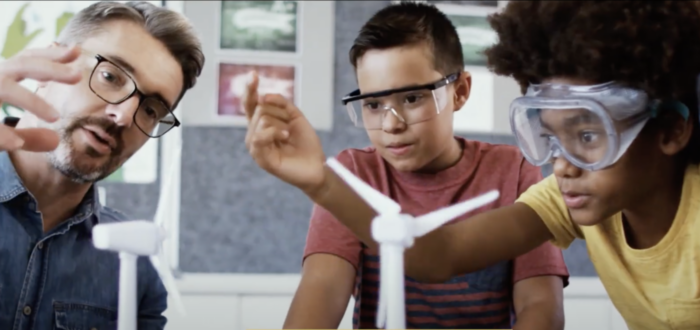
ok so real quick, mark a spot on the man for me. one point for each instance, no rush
(98, 102)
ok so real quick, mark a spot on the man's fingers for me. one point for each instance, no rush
(59, 54)
(13, 93)
(250, 97)
(9, 140)
(38, 139)
(39, 69)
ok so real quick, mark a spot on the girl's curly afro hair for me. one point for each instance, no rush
(650, 45)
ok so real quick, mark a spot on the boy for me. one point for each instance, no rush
(416, 159)
(612, 101)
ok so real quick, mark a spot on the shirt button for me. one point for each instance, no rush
(27, 310)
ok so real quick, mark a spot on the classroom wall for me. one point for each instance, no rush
(237, 219)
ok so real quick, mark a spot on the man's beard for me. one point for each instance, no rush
(63, 158)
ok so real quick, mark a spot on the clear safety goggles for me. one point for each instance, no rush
(590, 126)
(408, 105)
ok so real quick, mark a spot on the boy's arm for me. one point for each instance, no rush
(464, 247)
(539, 303)
(331, 258)
(283, 143)
(539, 276)
(322, 298)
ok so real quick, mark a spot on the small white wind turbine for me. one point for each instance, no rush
(395, 232)
(132, 239)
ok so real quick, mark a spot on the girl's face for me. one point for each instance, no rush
(593, 196)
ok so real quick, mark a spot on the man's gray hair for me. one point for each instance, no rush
(167, 26)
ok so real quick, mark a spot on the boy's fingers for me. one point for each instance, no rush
(265, 137)
(267, 110)
(268, 121)
(275, 99)
(272, 111)
(250, 97)
(281, 102)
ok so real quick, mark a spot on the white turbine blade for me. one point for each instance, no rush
(431, 221)
(161, 265)
(166, 189)
(381, 203)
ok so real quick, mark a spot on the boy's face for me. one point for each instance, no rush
(422, 145)
(593, 196)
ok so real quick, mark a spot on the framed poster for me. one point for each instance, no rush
(293, 56)
(477, 3)
(36, 24)
(233, 77)
(258, 26)
(475, 35)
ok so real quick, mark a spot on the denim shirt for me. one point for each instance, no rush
(58, 279)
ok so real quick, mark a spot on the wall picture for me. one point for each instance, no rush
(233, 78)
(482, 3)
(259, 26)
(476, 35)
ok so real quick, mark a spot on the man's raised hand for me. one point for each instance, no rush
(47, 64)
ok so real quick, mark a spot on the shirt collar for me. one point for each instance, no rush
(11, 186)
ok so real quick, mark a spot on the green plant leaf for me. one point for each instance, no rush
(5, 110)
(62, 21)
(16, 38)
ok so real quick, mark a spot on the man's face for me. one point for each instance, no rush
(417, 146)
(87, 121)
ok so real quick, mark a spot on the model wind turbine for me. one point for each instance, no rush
(132, 239)
(395, 232)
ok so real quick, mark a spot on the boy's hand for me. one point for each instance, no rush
(282, 141)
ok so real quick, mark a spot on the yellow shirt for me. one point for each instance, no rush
(656, 288)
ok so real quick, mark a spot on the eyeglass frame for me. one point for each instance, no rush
(142, 96)
(444, 81)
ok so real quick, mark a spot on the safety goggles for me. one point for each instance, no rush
(409, 105)
(590, 126)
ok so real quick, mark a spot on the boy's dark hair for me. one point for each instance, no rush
(406, 24)
(649, 45)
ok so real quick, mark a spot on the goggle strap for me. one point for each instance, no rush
(657, 106)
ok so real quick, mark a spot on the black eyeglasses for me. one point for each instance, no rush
(113, 85)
